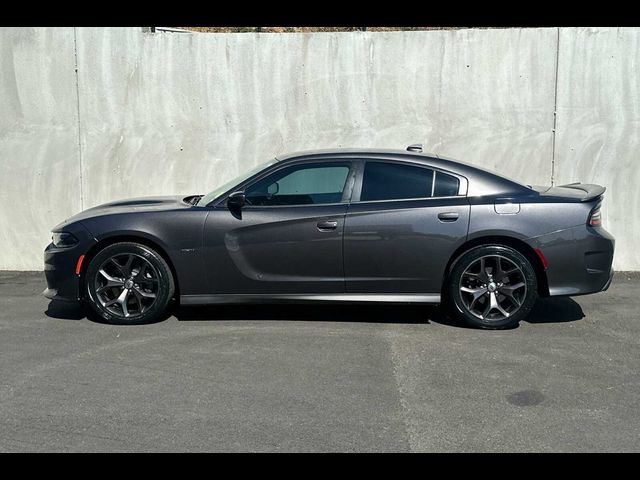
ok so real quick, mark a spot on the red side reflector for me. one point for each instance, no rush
(545, 264)
(79, 264)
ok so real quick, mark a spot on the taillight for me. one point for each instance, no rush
(545, 264)
(595, 218)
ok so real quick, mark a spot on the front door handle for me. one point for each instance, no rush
(448, 216)
(327, 225)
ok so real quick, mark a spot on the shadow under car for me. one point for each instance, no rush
(546, 310)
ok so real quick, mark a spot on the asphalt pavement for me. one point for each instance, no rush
(320, 377)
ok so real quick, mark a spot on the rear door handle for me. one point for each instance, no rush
(327, 225)
(448, 216)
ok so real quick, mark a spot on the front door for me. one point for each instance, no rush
(287, 238)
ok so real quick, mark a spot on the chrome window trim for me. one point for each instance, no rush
(421, 199)
(462, 181)
(262, 207)
(356, 160)
(347, 189)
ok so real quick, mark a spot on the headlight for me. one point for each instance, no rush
(63, 239)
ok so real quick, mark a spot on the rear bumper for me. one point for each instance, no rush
(606, 287)
(580, 260)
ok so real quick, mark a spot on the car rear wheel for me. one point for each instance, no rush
(129, 283)
(492, 287)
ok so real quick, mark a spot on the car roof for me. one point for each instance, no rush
(482, 181)
(339, 151)
(356, 151)
(431, 158)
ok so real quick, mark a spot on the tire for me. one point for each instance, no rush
(129, 283)
(492, 287)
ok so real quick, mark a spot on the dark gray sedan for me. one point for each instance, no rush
(339, 225)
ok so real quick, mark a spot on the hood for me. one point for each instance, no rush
(144, 204)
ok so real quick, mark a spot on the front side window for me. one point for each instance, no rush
(394, 181)
(310, 184)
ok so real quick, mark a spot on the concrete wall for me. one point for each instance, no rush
(180, 113)
(39, 163)
(598, 127)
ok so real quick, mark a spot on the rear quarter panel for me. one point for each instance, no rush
(533, 219)
(579, 257)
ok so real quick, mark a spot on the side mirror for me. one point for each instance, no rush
(236, 200)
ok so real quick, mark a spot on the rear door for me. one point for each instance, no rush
(403, 224)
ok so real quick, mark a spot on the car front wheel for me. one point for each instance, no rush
(492, 287)
(129, 283)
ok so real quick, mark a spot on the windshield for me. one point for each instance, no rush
(211, 196)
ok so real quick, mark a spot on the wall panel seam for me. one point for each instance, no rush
(555, 110)
(75, 49)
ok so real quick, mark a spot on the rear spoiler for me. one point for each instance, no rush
(591, 190)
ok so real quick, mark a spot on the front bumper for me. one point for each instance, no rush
(580, 260)
(60, 264)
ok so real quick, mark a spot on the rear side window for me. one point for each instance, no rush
(393, 181)
(445, 185)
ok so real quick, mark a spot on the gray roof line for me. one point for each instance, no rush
(337, 151)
